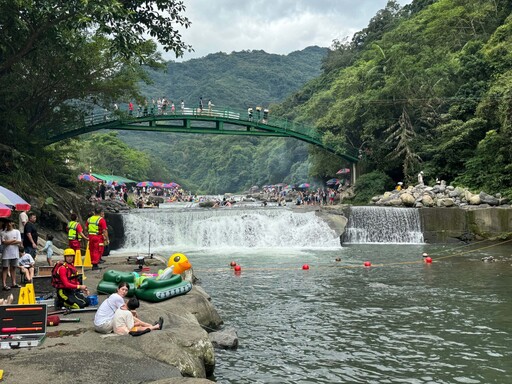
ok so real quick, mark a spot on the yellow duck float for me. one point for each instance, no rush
(180, 263)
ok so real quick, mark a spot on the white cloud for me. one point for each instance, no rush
(275, 26)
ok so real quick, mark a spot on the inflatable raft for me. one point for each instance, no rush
(151, 289)
(155, 290)
(111, 280)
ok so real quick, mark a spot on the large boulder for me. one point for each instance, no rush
(225, 339)
(427, 201)
(407, 199)
(474, 199)
(488, 199)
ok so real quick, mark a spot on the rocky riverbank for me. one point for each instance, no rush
(72, 352)
(440, 195)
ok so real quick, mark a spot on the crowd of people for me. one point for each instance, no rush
(19, 245)
(18, 248)
(318, 196)
(163, 106)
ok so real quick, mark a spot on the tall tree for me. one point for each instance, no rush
(57, 57)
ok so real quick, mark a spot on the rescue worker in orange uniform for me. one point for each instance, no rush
(71, 293)
(75, 233)
(98, 236)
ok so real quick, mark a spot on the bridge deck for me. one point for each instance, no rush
(193, 120)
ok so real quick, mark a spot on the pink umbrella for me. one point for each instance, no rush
(5, 211)
(170, 185)
(145, 184)
(11, 199)
(343, 171)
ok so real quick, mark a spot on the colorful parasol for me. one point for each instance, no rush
(343, 171)
(5, 211)
(88, 177)
(11, 199)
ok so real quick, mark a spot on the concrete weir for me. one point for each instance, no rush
(445, 225)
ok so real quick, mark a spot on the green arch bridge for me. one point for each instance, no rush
(192, 120)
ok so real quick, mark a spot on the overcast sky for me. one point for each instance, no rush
(275, 26)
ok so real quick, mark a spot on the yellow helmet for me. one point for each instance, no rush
(69, 252)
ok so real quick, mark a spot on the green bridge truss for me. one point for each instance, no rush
(215, 121)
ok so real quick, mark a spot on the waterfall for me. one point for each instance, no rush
(383, 225)
(221, 228)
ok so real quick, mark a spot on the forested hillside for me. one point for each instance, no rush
(427, 87)
(217, 164)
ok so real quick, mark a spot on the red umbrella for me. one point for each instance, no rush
(172, 184)
(343, 171)
(11, 199)
(5, 211)
(88, 177)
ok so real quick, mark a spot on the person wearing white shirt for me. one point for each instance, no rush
(11, 240)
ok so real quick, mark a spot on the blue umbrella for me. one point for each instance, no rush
(332, 182)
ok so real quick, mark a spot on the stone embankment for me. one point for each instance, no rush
(441, 195)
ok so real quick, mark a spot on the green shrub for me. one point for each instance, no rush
(370, 185)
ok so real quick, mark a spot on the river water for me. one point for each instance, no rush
(399, 321)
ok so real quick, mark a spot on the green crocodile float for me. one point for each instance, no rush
(148, 289)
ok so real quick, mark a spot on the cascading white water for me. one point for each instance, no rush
(220, 228)
(383, 225)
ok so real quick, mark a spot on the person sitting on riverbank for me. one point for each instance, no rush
(26, 264)
(126, 321)
(103, 320)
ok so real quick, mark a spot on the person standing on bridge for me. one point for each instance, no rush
(130, 108)
(182, 107)
(249, 113)
(265, 116)
(173, 108)
(210, 105)
(201, 105)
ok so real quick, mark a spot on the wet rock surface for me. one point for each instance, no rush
(74, 353)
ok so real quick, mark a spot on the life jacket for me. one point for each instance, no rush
(72, 234)
(71, 274)
(93, 225)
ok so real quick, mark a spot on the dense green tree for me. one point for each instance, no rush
(420, 88)
(58, 58)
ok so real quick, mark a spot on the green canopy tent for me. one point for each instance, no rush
(112, 178)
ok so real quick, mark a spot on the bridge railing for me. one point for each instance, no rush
(101, 117)
(104, 116)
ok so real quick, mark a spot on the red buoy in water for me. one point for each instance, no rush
(305, 267)
(238, 268)
(367, 264)
(428, 260)
(233, 263)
